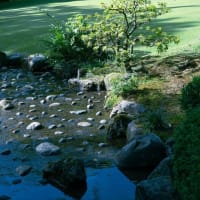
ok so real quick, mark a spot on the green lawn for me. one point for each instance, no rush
(23, 26)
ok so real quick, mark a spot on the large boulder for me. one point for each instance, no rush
(159, 188)
(3, 59)
(91, 84)
(68, 175)
(142, 152)
(16, 60)
(127, 107)
(38, 63)
(164, 168)
(117, 126)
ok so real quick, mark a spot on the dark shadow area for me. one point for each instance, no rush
(26, 3)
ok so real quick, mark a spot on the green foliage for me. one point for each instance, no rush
(65, 43)
(123, 86)
(190, 94)
(111, 34)
(112, 100)
(157, 120)
(186, 165)
(125, 24)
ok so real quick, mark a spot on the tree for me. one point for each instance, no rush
(125, 24)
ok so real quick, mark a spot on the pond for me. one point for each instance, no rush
(68, 122)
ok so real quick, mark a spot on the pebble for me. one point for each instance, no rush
(103, 121)
(53, 116)
(78, 112)
(98, 113)
(102, 144)
(52, 126)
(84, 124)
(55, 104)
(34, 126)
(50, 97)
(32, 110)
(90, 119)
(58, 132)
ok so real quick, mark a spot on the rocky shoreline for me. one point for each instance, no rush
(44, 121)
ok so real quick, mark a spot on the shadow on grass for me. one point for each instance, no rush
(26, 3)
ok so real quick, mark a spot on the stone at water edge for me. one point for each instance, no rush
(47, 149)
(78, 112)
(142, 152)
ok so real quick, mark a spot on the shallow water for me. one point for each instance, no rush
(88, 143)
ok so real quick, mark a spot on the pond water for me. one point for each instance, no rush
(50, 101)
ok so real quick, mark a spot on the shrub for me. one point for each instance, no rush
(190, 94)
(123, 86)
(157, 120)
(112, 100)
(186, 165)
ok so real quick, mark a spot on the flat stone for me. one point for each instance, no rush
(47, 149)
(34, 126)
(58, 132)
(54, 104)
(84, 124)
(50, 97)
(78, 112)
(23, 170)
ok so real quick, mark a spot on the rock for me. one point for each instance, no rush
(51, 97)
(92, 84)
(15, 60)
(34, 126)
(127, 107)
(3, 59)
(23, 170)
(142, 152)
(5, 152)
(38, 63)
(6, 104)
(54, 104)
(16, 181)
(68, 175)
(78, 112)
(58, 132)
(117, 126)
(103, 121)
(52, 126)
(47, 149)
(99, 113)
(159, 188)
(84, 124)
(164, 168)
(132, 131)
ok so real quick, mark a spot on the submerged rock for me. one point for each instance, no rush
(23, 170)
(68, 175)
(47, 149)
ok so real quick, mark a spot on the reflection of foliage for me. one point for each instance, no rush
(190, 94)
(186, 159)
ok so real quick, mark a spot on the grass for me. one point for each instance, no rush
(23, 26)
